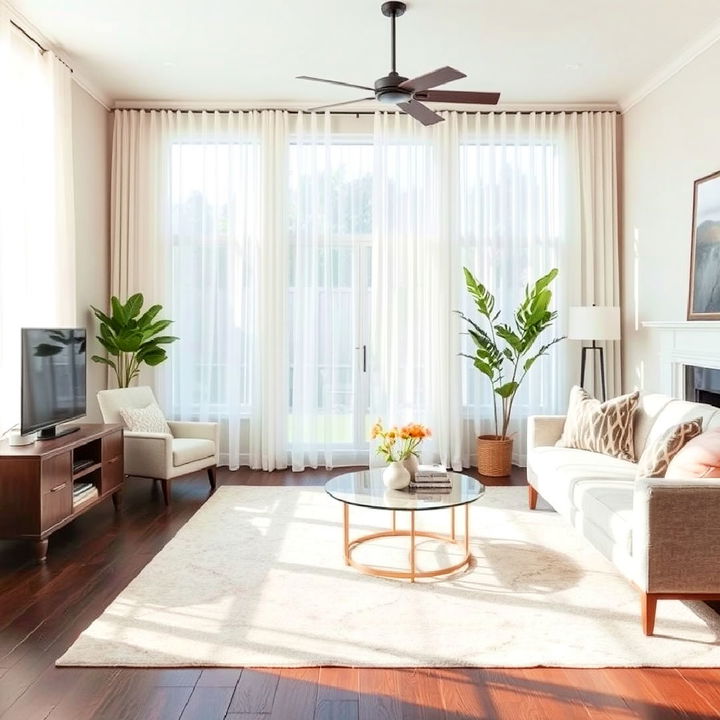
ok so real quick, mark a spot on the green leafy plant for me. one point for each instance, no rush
(505, 353)
(131, 338)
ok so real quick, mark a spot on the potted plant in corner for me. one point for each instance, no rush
(504, 354)
(131, 338)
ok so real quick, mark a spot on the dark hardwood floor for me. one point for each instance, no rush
(43, 609)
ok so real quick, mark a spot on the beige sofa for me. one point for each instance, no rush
(662, 534)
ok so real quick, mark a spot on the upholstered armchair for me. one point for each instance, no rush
(189, 447)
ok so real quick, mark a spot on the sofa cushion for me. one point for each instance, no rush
(601, 427)
(187, 450)
(657, 455)
(700, 458)
(559, 470)
(609, 505)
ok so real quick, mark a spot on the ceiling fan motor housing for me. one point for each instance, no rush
(388, 90)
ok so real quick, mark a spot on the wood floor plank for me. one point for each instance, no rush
(378, 694)
(336, 710)
(705, 682)
(338, 683)
(219, 677)
(464, 695)
(296, 693)
(208, 703)
(651, 691)
(255, 691)
(421, 694)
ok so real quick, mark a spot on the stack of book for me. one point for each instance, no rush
(431, 478)
(83, 492)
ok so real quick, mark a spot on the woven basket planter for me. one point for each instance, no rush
(494, 455)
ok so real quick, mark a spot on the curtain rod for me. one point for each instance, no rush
(362, 112)
(41, 47)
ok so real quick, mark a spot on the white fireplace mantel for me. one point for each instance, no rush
(682, 342)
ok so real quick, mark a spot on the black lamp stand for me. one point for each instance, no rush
(583, 361)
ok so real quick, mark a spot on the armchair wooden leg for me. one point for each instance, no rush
(212, 477)
(166, 491)
(532, 497)
(648, 604)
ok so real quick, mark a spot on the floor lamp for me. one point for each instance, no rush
(596, 324)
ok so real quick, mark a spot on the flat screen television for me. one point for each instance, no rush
(53, 385)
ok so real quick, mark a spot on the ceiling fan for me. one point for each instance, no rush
(408, 94)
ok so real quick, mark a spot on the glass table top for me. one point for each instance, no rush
(366, 488)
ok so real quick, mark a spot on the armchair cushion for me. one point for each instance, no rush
(187, 450)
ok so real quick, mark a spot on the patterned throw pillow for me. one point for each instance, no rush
(657, 455)
(147, 419)
(605, 428)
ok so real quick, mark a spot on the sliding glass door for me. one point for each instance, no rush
(330, 228)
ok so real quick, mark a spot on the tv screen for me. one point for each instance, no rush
(53, 377)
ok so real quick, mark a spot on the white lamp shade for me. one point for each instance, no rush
(594, 323)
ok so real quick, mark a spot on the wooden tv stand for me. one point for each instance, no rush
(36, 481)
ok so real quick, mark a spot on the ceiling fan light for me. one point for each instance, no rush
(392, 97)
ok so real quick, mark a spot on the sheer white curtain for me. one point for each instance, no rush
(330, 180)
(37, 244)
(193, 230)
(510, 196)
(410, 266)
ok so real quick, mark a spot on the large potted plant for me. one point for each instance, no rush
(504, 353)
(131, 338)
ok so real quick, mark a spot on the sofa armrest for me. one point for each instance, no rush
(148, 454)
(544, 430)
(676, 535)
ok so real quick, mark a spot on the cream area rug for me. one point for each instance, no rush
(256, 578)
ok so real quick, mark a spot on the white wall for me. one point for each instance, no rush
(91, 157)
(671, 138)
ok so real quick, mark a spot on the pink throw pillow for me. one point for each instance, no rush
(700, 458)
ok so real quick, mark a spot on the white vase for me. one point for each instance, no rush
(411, 465)
(396, 476)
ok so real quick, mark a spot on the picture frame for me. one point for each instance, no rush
(704, 295)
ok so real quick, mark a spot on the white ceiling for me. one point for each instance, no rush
(533, 51)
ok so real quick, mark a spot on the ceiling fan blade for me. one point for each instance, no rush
(432, 79)
(335, 82)
(458, 96)
(347, 102)
(420, 112)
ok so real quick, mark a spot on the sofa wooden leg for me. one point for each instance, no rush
(166, 491)
(648, 603)
(532, 497)
(211, 477)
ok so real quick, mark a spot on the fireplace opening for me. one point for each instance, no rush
(702, 385)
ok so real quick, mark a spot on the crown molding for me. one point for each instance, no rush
(78, 78)
(693, 51)
(223, 105)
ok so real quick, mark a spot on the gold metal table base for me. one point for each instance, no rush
(413, 573)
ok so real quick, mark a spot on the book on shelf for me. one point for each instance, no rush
(86, 496)
(81, 487)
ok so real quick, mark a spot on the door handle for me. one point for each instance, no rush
(364, 356)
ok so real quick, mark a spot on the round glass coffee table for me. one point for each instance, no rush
(366, 489)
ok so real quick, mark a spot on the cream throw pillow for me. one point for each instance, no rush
(605, 428)
(656, 457)
(147, 419)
